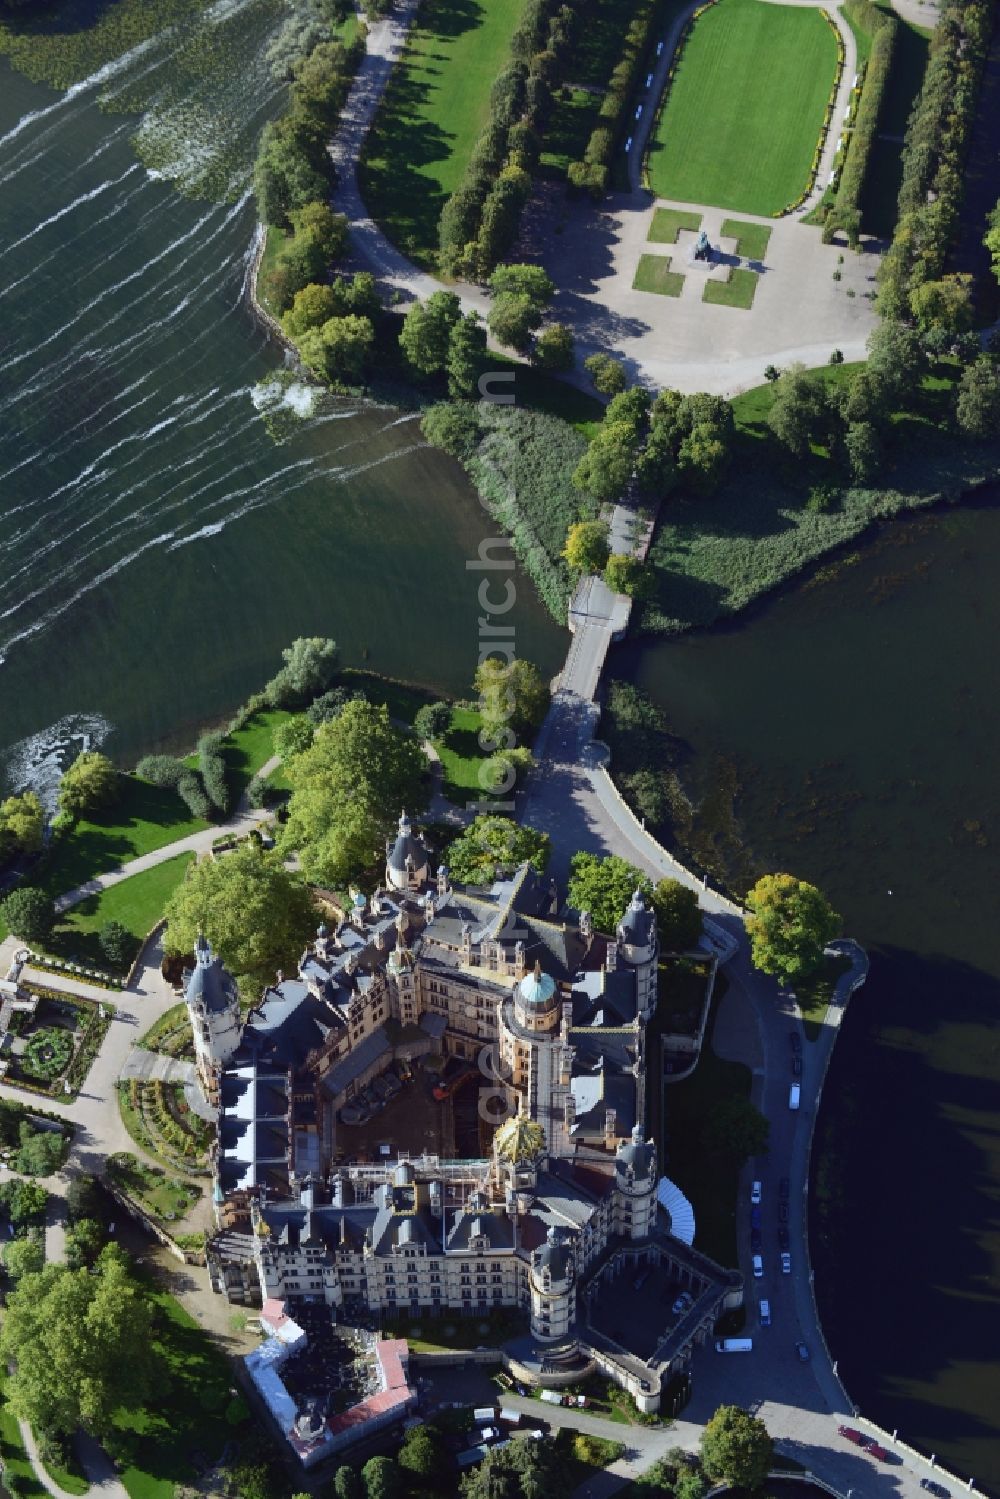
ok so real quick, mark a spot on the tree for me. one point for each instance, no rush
(679, 921)
(25, 1200)
(117, 943)
(84, 1241)
(789, 924)
(348, 789)
(22, 825)
(331, 704)
(381, 1478)
(311, 308)
(256, 914)
(735, 1446)
(518, 1470)
(308, 664)
(554, 348)
(340, 350)
(512, 319)
(433, 720)
(604, 887)
(896, 362)
(529, 281)
(424, 1458)
(736, 1130)
(346, 1483)
(25, 1256)
(607, 373)
(977, 409)
(466, 356)
(41, 1152)
(453, 427)
(863, 448)
(587, 549)
(90, 782)
(606, 467)
(625, 574)
(324, 232)
(28, 913)
(510, 694)
(944, 304)
(292, 737)
(798, 409)
(491, 848)
(427, 330)
(865, 398)
(81, 1344)
(991, 239)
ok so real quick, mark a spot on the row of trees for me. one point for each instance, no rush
(937, 140)
(883, 27)
(480, 220)
(591, 174)
(664, 442)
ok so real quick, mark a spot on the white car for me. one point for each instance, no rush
(758, 1266)
(786, 1263)
(755, 1193)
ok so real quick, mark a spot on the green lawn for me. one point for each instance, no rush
(745, 109)
(568, 130)
(885, 167)
(667, 222)
(709, 1181)
(461, 756)
(137, 903)
(15, 1459)
(813, 995)
(274, 243)
(143, 818)
(430, 118)
(738, 291)
(249, 748)
(654, 274)
(751, 239)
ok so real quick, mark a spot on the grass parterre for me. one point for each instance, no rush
(745, 108)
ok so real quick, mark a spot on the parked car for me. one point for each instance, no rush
(796, 1066)
(935, 1488)
(786, 1264)
(765, 1313)
(683, 1303)
(784, 1187)
(783, 1236)
(794, 1096)
(853, 1435)
(755, 1193)
(877, 1451)
(782, 1212)
(758, 1266)
(802, 1349)
(755, 1217)
(796, 1041)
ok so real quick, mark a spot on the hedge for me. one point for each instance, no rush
(592, 172)
(884, 29)
(212, 764)
(937, 139)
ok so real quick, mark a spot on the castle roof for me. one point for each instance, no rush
(636, 925)
(209, 981)
(536, 988)
(407, 851)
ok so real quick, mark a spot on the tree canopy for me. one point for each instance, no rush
(737, 1130)
(89, 783)
(381, 1478)
(511, 693)
(81, 1345)
(604, 887)
(789, 924)
(348, 789)
(28, 913)
(679, 920)
(586, 548)
(492, 847)
(308, 665)
(518, 1470)
(735, 1446)
(255, 913)
(22, 825)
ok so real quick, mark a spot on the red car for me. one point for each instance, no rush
(877, 1451)
(853, 1435)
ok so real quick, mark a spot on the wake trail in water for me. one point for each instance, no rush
(107, 71)
(88, 197)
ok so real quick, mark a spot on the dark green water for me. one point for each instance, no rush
(157, 547)
(859, 719)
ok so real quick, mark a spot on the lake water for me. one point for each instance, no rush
(857, 721)
(158, 547)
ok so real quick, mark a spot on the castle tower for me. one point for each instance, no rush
(635, 1186)
(552, 1281)
(638, 946)
(535, 1056)
(407, 866)
(213, 1003)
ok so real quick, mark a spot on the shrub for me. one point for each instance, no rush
(28, 913)
(433, 720)
(161, 770)
(884, 27)
(117, 943)
(192, 793)
(212, 764)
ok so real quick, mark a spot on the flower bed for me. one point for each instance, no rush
(47, 1053)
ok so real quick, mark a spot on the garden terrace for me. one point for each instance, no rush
(740, 122)
(159, 1119)
(434, 108)
(50, 1050)
(165, 1198)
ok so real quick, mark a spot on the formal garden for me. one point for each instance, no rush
(161, 1121)
(51, 1051)
(165, 1197)
(742, 115)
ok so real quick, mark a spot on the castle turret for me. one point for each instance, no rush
(407, 865)
(635, 1185)
(552, 1280)
(213, 1003)
(639, 946)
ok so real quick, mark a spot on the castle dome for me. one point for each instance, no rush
(553, 1256)
(407, 856)
(520, 1139)
(635, 1155)
(635, 926)
(209, 984)
(536, 988)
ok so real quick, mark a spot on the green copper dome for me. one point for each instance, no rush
(537, 988)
